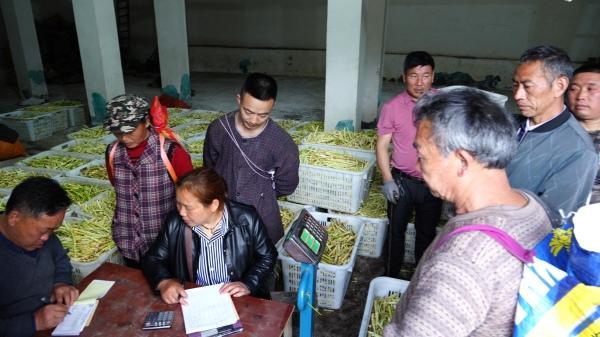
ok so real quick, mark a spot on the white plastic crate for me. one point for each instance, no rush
(85, 157)
(38, 171)
(333, 189)
(76, 115)
(373, 238)
(66, 146)
(58, 115)
(380, 287)
(77, 171)
(60, 120)
(29, 129)
(75, 111)
(83, 269)
(332, 280)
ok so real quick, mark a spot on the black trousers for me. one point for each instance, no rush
(418, 198)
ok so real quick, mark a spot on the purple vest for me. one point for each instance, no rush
(145, 194)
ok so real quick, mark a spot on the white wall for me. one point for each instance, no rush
(287, 37)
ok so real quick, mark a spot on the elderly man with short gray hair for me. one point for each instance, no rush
(468, 285)
(555, 158)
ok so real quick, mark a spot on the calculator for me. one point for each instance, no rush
(305, 241)
(158, 320)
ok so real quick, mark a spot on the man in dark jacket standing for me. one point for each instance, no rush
(258, 159)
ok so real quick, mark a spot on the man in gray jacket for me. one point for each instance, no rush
(555, 158)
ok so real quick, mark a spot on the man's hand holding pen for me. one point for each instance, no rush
(55, 307)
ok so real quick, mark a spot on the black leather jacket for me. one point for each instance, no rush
(249, 253)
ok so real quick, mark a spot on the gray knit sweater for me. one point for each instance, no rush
(469, 286)
(27, 281)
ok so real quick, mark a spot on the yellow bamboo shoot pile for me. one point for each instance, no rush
(375, 206)
(206, 116)
(178, 120)
(191, 130)
(331, 159)
(86, 240)
(381, 314)
(80, 193)
(56, 162)
(85, 132)
(313, 126)
(287, 216)
(197, 163)
(196, 146)
(102, 208)
(87, 146)
(340, 243)
(11, 178)
(298, 136)
(287, 124)
(97, 172)
(364, 140)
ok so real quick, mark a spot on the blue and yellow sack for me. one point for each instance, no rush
(560, 290)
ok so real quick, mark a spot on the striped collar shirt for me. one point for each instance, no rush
(211, 264)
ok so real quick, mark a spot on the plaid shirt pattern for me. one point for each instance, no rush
(145, 194)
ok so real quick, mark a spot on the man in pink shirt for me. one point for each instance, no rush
(404, 187)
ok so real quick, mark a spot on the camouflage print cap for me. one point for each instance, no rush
(125, 112)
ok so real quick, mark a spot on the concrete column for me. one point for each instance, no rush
(171, 32)
(99, 48)
(24, 48)
(372, 60)
(344, 25)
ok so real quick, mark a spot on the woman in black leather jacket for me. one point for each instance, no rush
(209, 240)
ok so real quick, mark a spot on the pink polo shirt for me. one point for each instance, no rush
(397, 118)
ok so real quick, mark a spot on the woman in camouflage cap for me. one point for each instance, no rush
(145, 191)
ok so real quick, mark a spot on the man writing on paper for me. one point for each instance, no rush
(37, 292)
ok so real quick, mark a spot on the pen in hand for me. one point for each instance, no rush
(47, 300)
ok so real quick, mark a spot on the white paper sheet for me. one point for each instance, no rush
(207, 309)
(80, 313)
(74, 321)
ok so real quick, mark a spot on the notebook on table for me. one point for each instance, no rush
(208, 313)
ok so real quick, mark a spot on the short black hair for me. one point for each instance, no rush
(260, 86)
(588, 68)
(555, 61)
(37, 196)
(418, 58)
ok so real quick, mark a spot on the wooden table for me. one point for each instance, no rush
(123, 310)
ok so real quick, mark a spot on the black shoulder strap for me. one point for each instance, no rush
(188, 237)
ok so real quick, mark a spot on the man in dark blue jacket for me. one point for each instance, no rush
(35, 288)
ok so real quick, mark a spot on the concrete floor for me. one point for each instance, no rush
(298, 98)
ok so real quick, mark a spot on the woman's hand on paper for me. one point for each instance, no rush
(172, 291)
(49, 316)
(64, 294)
(235, 289)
